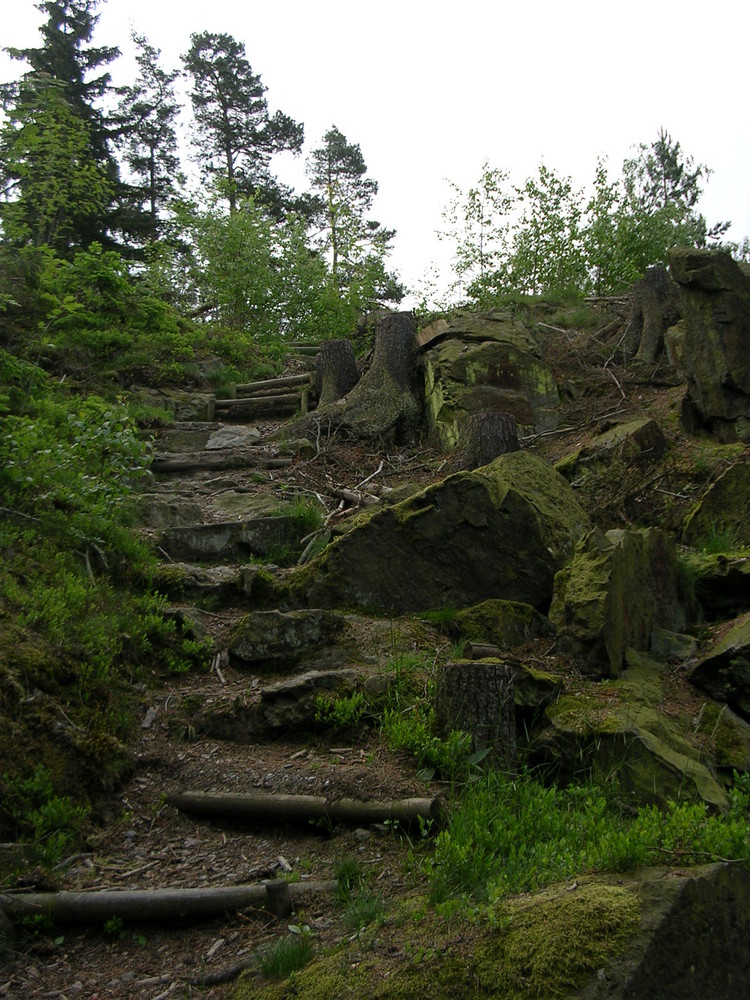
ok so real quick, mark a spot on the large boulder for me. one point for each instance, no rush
(711, 344)
(501, 531)
(618, 586)
(486, 362)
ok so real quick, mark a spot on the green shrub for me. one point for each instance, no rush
(48, 823)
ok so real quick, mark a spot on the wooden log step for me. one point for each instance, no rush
(259, 402)
(283, 808)
(247, 388)
(155, 904)
(226, 458)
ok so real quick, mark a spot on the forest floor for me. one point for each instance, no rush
(145, 843)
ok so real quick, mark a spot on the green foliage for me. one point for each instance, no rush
(285, 956)
(720, 539)
(48, 823)
(508, 836)
(340, 713)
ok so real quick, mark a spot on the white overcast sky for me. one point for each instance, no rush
(431, 89)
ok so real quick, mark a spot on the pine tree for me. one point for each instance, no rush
(356, 245)
(55, 130)
(235, 134)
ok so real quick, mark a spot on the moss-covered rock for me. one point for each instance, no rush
(618, 586)
(620, 733)
(502, 623)
(487, 362)
(635, 441)
(501, 531)
(276, 639)
(714, 342)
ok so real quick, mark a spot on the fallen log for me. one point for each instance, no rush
(282, 808)
(219, 459)
(156, 904)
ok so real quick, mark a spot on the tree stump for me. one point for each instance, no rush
(477, 697)
(484, 436)
(383, 404)
(336, 371)
(654, 307)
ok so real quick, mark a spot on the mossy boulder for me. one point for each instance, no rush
(723, 509)
(635, 441)
(487, 362)
(617, 587)
(620, 733)
(276, 639)
(724, 671)
(502, 623)
(501, 531)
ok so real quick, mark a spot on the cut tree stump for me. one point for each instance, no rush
(477, 697)
(383, 404)
(280, 808)
(484, 436)
(155, 904)
(336, 371)
(654, 307)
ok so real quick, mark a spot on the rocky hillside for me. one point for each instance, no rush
(344, 560)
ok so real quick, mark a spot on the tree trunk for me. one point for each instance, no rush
(483, 437)
(654, 307)
(477, 697)
(336, 371)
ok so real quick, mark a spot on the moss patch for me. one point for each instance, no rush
(537, 947)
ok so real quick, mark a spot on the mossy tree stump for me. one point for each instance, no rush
(654, 308)
(476, 696)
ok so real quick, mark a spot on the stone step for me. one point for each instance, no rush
(230, 541)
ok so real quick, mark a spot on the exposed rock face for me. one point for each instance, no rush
(618, 586)
(501, 531)
(725, 507)
(725, 671)
(484, 362)
(711, 346)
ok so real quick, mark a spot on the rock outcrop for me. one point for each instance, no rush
(711, 344)
(484, 362)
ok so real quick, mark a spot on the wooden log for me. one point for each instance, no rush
(229, 458)
(482, 651)
(247, 388)
(155, 904)
(259, 402)
(281, 808)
